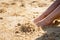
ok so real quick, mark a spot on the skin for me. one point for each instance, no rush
(49, 15)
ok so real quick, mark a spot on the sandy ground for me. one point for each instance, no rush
(16, 20)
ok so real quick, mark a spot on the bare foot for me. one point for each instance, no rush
(50, 18)
(48, 11)
(39, 18)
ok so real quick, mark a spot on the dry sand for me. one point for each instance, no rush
(16, 20)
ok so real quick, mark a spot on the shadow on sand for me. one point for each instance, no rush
(53, 32)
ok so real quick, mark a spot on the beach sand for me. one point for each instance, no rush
(16, 20)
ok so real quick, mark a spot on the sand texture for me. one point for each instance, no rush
(16, 20)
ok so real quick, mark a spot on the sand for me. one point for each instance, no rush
(16, 20)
